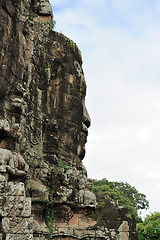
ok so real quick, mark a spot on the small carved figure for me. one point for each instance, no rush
(14, 162)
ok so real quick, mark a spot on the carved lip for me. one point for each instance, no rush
(84, 129)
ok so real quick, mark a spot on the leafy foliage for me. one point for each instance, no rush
(150, 228)
(126, 195)
(53, 23)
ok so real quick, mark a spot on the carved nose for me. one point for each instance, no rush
(87, 119)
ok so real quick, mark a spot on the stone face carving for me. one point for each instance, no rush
(43, 129)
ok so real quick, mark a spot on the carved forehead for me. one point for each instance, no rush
(68, 79)
(66, 65)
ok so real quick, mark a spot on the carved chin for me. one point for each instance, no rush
(81, 151)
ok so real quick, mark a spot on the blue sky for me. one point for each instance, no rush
(120, 45)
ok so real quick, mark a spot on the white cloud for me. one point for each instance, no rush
(59, 3)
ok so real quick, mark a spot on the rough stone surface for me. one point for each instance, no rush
(124, 231)
(44, 189)
(15, 209)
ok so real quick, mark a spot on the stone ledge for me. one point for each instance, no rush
(19, 237)
(17, 225)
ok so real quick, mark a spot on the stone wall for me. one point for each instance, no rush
(16, 221)
(44, 124)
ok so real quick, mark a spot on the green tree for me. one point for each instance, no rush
(126, 195)
(150, 228)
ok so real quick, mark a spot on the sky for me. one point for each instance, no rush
(120, 46)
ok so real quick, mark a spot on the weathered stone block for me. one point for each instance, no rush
(81, 221)
(40, 237)
(86, 197)
(16, 206)
(45, 19)
(44, 7)
(19, 237)
(17, 225)
(89, 198)
(15, 189)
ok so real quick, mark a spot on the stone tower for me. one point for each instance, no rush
(44, 189)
